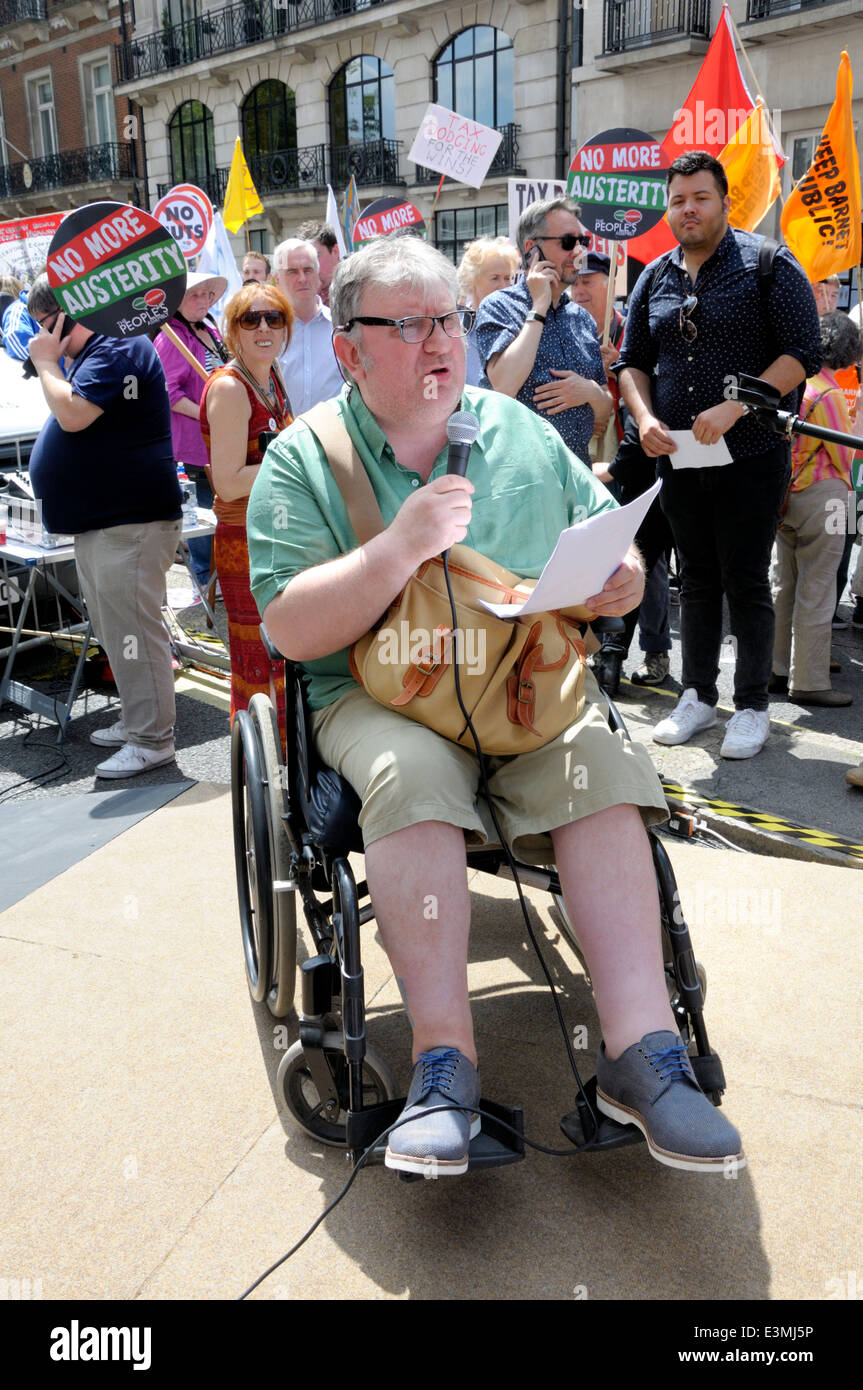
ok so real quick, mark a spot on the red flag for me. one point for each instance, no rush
(717, 105)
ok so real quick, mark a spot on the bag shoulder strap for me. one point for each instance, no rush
(347, 469)
(766, 256)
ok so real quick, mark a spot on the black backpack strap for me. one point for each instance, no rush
(657, 271)
(766, 256)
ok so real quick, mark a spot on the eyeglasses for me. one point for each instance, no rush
(567, 242)
(687, 327)
(456, 324)
(274, 318)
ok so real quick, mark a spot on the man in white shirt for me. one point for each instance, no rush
(308, 363)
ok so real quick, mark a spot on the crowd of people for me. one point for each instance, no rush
(612, 383)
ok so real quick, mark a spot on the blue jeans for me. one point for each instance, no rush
(724, 522)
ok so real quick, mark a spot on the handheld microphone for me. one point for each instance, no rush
(462, 429)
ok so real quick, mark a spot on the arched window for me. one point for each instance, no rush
(473, 75)
(193, 151)
(363, 122)
(362, 103)
(269, 130)
(269, 116)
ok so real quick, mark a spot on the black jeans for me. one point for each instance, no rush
(724, 524)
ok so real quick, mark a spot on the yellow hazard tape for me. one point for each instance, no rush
(764, 820)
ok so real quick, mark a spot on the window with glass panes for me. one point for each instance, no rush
(269, 116)
(193, 150)
(473, 75)
(362, 103)
(99, 98)
(455, 227)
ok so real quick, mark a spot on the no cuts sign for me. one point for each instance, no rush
(114, 269)
(187, 213)
(618, 179)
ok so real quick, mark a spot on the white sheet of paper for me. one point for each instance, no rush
(691, 454)
(586, 555)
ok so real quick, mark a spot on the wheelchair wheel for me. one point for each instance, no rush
(252, 853)
(283, 961)
(326, 1119)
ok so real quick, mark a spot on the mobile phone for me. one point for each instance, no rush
(533, 255)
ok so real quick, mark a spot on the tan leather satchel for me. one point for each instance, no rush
(522, 681)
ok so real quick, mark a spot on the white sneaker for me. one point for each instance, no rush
(132, 760)
(113, 737)
(746, 733)
(687, 718)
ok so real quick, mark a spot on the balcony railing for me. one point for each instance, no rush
(213, 184)
(504, 162)
(311, 167)
(286, 171)
(14, 11)
(635, 24)
(225, 30)
(377, 161)
(774, 9)
(95, 164)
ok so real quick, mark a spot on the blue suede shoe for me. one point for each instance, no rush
(437, 1145)
(652, 1085)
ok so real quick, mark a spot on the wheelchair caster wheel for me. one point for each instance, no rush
(326, 1118)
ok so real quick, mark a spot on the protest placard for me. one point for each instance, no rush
(454, 145)
(618, 179)
(115, 269)
(520, 193)
(183, 213)
(387, 215)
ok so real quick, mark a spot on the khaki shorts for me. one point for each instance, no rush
(405, 774)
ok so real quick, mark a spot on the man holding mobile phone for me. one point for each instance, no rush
(535, 342)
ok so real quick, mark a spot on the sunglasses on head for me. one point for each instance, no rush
(274, 318)
(568, 242)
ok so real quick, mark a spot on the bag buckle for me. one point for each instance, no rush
(529, 698)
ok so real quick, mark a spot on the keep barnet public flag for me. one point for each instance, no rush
(821, 220)
(241, 196)
(749, 161)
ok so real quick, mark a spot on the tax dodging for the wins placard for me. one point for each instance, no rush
(115, 269)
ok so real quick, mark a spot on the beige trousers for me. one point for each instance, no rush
(122, 571)
(803, 578)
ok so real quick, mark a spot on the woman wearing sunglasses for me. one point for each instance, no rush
(243, 405)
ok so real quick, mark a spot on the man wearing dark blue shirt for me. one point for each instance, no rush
(535, 343)
(103, 469)
(699, 317)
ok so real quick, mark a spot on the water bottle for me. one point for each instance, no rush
(188, 496)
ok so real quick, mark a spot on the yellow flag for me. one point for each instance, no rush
(749, 161)
(821, 220)
(241, 196)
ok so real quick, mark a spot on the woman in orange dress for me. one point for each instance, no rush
(244, 404)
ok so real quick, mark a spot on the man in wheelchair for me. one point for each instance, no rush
(400, 342)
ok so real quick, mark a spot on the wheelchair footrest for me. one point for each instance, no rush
(709, 1075)
(495, 1144)
(580, 1128)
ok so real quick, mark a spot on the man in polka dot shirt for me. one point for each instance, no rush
(699, 316)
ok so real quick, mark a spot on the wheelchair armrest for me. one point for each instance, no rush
(269, 645)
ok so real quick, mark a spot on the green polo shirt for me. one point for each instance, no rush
(529, 488)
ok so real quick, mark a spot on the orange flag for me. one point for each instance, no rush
(821, 220)
(749, 161)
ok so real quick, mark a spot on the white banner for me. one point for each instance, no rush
(453, 145)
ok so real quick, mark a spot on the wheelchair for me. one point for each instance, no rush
(295, 822)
